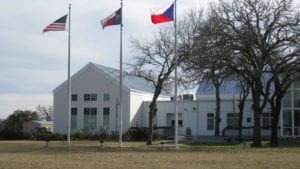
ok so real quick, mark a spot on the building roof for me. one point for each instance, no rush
(130, 82)
(227, 87)
(44, 122)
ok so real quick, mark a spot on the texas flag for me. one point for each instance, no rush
(166, 15)
(113, 19)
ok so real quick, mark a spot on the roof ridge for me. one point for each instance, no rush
(131, 82)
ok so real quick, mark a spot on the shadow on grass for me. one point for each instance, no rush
(211, 146)
(36, 147)
(196, 145)
(287, 143)
(60, 147)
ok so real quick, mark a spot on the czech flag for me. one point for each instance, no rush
(165, 16)
(113, 19)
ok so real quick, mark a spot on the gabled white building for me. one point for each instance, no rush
(95, 92)
(95, 98)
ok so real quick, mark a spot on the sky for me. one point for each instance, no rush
(32, 64)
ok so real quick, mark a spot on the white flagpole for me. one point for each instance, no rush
(69, 81)
(121, 79)
(176, 63)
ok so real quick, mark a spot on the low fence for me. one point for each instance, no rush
(247, 132)
(166, 132)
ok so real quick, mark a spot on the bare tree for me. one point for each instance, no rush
(256, 30)
(45, 112)
(284, 70)
(205, 61)
(155, 63)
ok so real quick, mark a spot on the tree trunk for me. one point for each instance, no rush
(218, 107)
(241, 116)
(150, 130)
(275, 118)
(257, 118)
(257, 129)
(274, 134)
(152, 113)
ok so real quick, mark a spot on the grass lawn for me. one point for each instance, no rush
(135, 155)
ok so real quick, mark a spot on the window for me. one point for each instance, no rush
(287, 99)
(297, 122)
(90, 118)
(233, 120)
(106, 119)
(170, 120)
(210, 121)
(248, 119)
(179, 123)
(266, 120)
(297, 98)
(287, 122)
(74, 118)
(74, 97)
(87, 97)
(93, 97)
(90, 97)
(106, 97)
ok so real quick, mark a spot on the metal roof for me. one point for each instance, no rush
(45, 122)
(130, 81)
(227, 87)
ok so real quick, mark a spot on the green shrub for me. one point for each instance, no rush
(103, 134)
(57, 136)
(77, 136)
(114, 135)
(136, 134)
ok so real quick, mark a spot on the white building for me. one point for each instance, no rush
(94, 100)
(95, 91)
(38, 126)
(198, 116)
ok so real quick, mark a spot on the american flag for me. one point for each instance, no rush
(58, 25)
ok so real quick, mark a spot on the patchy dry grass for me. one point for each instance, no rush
(86, 155)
